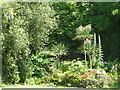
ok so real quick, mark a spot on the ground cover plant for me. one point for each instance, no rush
(60, 44)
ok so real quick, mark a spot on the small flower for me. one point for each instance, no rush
(103, 72)
(85, 76)
(92, 72)
(98, 72)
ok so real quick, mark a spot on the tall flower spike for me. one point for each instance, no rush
(94, 39)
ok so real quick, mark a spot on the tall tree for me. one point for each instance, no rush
(26, 27)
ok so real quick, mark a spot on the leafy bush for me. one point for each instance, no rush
(113, 70)
(33, 81)
(75, 66)
(10, 69)
(26, 69)
(76, 74)
(42, 62)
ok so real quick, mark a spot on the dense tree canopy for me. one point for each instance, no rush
(104, 18)
(26, 30)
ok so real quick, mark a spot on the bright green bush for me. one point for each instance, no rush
(74, 65)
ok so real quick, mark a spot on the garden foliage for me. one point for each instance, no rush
(61, 43)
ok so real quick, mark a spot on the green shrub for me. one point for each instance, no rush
(76, 74)
(10, 71)
(75, 66)
(42, 63)
(115, 81)
(26, 69)
(33, 81)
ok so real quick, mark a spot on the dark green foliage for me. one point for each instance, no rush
(10, 69)
(105, 17)
(41, 63)
(70, 17)
(26, 69)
